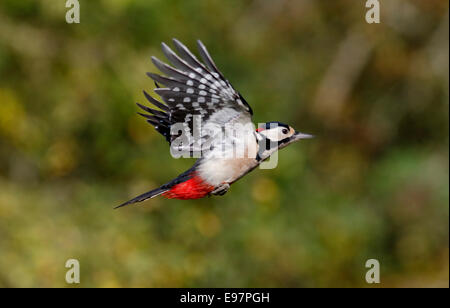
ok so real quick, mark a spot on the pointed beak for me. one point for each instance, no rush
(299, 135)
(296, 137)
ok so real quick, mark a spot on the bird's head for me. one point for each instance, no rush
(279, 135)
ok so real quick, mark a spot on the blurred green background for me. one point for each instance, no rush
(372, 184)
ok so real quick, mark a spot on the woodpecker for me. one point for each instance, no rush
(198, 98)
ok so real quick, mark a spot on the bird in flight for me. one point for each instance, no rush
(203, 116)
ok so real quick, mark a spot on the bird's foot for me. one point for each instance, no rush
(220, 190)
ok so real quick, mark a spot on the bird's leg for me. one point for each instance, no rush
(221, 189)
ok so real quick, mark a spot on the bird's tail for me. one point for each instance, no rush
(148, 195)
(164, 188)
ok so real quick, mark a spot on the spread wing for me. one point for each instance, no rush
(197, 97)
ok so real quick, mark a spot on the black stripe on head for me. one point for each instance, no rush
(274, 124)
(269, 143)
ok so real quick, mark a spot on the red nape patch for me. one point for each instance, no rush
(259, 129)
(194, 188)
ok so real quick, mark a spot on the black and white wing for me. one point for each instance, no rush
(193, 90)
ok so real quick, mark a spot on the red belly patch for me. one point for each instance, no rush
(194, 188)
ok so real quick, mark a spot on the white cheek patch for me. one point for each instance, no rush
(276, 133)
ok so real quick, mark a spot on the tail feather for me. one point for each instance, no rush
(165, 188)
(148, 195)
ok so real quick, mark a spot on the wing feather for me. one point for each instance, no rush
(187, 55)
(192, 89)
(207, 59)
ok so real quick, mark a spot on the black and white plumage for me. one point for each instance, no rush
(198, 98)
(191, 89)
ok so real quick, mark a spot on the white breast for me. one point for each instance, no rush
(218, 171)
(228, 163)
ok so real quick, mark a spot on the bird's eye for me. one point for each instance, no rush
(285, 131)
